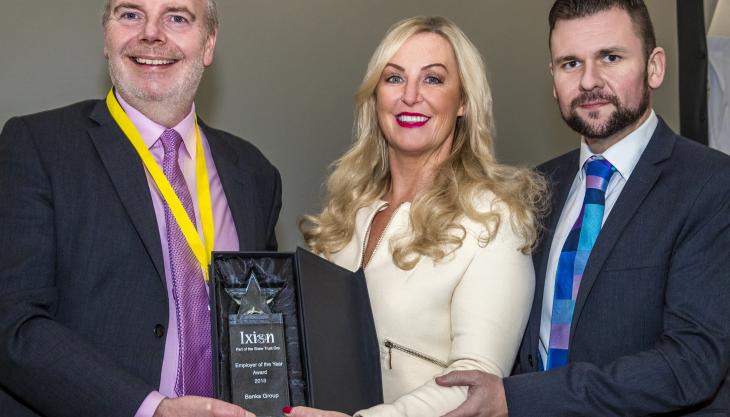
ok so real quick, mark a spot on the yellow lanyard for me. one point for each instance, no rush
(201, 250)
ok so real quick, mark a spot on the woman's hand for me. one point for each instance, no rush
(311, 412)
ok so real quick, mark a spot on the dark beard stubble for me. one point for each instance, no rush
(619, 119)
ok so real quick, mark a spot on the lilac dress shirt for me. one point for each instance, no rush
(226, 238)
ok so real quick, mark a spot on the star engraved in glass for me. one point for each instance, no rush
(253, 299)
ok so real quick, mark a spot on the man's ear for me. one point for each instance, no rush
(655, 67)
(210, 48)
(550, 66)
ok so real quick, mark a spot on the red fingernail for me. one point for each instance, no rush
(286, 410)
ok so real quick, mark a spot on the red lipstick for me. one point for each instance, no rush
(411, 120)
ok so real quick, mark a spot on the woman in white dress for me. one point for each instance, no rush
(442, 231)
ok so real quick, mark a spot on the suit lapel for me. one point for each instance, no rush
(128, 177)
(238, 185)
(642, 180)
(560, 177)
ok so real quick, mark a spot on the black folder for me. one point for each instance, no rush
(332, 347)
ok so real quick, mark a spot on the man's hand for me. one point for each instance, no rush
(311, 412)
(485, 397)
(191, 406)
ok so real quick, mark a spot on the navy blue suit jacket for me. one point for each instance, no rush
(83, 302)
(651, 328)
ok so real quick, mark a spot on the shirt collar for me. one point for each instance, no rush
(151, 131)
(624, 154)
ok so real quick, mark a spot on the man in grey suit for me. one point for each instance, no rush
(108, 213)
(631, 314)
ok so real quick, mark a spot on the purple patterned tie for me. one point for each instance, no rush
(194, 367)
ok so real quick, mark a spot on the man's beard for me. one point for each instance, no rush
(617, 121)
(181, 91)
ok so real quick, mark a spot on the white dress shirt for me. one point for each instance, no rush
(623, 155)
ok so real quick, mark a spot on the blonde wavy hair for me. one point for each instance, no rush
(362, 174)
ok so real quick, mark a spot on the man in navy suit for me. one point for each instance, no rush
(643, 325)
(103, 304)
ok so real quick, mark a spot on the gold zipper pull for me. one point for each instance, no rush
(389, 345)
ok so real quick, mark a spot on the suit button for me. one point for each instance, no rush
(531, 361)
(159, 330)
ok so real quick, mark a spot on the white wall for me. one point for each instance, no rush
(720, 21)
(285, 74)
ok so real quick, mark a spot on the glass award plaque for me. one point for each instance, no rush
(292, 329)
(258, 352)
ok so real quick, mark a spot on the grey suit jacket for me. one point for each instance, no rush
(83, 302)
(651, 328)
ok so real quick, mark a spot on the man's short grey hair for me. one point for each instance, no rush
(211, 16)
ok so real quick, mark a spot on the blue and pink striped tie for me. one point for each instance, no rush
(574, 256)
